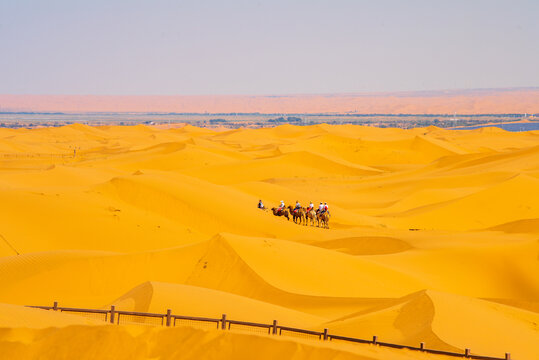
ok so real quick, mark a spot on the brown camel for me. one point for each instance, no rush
(310, 217)
(283, 212)
(298, 216)
(324, 219)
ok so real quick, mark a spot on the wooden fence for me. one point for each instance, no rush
(114, 316)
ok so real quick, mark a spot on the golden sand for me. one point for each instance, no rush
(433, 238)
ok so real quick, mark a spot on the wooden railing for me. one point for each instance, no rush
(114, 316)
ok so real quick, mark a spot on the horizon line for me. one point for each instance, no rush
(359, 93)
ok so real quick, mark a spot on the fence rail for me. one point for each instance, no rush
(114, 316)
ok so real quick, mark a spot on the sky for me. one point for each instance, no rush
(159, 47)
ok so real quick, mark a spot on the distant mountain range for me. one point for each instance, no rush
(474, 101)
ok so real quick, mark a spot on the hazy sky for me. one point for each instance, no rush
(265, 47)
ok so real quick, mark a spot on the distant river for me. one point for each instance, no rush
(507, 127)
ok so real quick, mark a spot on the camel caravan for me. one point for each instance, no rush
(302, 215)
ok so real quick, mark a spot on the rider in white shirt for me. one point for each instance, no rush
(311, 206)
(282, 205)
(320, 207)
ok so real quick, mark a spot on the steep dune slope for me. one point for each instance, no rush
(407, 320)
(446, 321)
(279, 263)
(198, 301)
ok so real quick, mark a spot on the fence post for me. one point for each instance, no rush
(112, 311)
(223, 322)
(507, 356)
(274, 327)
(55, 306)
(422, 346)
(169, 313)
(325, 334)
(374, 339)
(467, 352)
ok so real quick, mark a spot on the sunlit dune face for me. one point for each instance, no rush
(432, 237)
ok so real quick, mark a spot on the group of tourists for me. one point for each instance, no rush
(300, 214)
(322, 208)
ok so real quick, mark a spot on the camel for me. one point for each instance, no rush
(297, 216)
(324, 218)
(283, 212)
(310, 216)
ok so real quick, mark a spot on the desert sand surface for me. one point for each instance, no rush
(479, 101)
(434, 237)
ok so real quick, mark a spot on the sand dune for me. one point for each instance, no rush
(127, 342)
(503, 202)
(434, 317)
(18, 317)
(201, 301)
(433, 238)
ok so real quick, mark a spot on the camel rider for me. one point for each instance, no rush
(298, 206)
(326, 207)
(320, 208)
(311, 206)
(281, 207)
(260, 204)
